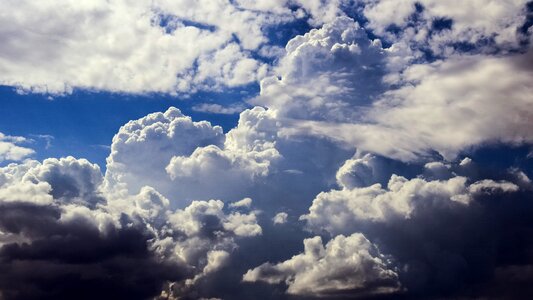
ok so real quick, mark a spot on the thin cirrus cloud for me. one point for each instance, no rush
(213, 108)
(355, 149)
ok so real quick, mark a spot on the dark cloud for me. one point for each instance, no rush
(75, 260)
(444, 247)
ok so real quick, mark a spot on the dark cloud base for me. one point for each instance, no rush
(74, 261)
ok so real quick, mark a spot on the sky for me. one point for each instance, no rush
(280, 149)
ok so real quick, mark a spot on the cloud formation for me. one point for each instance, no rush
(62, 236)
(346, 264)
(353, 147)
(10, 148)
(146, 46)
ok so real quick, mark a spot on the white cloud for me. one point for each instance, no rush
(280, 218)
(214, 108)
(187, 187)
(143, 148)
(458, 103)
(139, 47)
(186, 160)
(71, 180)
(336, 83)
(10, 150)
(219, 170)
(245, 203)
(360, 172)
(472, 21)
(326, 74)
(346, 264)
(428, 227)
(346, 210)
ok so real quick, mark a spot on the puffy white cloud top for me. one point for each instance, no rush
(345, 264)
(141, 46)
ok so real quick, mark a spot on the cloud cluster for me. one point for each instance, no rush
(142, 46)
(441, 26)
(188, 160)
(352, 149)
(337, 83)
(62, 236)
(435, 237)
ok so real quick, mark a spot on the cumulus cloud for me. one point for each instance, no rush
(146, 46)
(401, 200)
(325, 74)
(343, 136)
(62, 235)
(245, 203)
(280, 218)
(433, 231)
(337, 83)
(64, 247)
(361, 171)
(149, 143)
(345, 265)
(10, 148)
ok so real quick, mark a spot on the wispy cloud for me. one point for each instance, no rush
(214, 108)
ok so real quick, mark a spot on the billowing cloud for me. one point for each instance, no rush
(62, 235)
(337, 83)
(352, 149)
(149, 143)
(345, 265)
(401, 200)
(192, 160)
(430, 229)
(326, 74)
(145, 46)
(280, 218)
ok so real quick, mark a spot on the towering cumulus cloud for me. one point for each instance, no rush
(387, 154)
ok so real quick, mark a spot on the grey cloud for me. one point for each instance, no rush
(63, 236)
(446, 237)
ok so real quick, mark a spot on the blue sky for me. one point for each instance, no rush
(282, 149)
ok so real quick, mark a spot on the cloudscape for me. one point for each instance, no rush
(269, 149)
